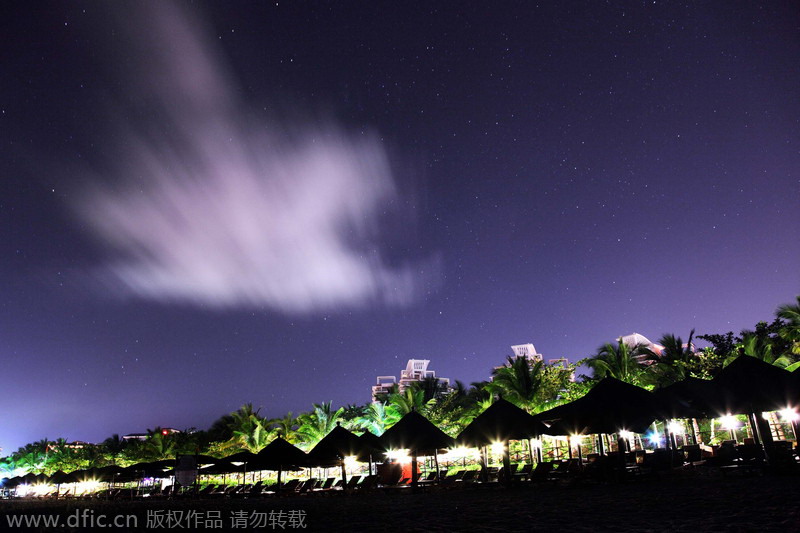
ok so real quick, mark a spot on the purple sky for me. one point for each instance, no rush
(275, 203)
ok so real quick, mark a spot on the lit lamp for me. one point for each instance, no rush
(730, 423)
(677, 428)
(791, 416)
(576, 440)
(626, 436)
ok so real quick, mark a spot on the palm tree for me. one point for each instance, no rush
(761, 348)
(618, 362)
(790, 332)
(158, 446)
(376, 418)
(113, 446)
(411, 399)
(318, 423)
(519, 381)
(431, 387)
(286, 426)
(250, 430)
(672, 364)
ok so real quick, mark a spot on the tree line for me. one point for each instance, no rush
(532, 385)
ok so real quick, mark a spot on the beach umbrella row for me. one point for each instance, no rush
(746, 386)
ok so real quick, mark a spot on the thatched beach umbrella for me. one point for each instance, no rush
(501, 422)
(690, 398)
(28, 479)
(370, 447)
(57, 479)
(610, 406)
(333, 448)
(240, 462)
(750, 385)
(12, 482)
(420, 436)
(280, 454)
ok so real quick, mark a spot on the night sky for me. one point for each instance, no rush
(207, 204)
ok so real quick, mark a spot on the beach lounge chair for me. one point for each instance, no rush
(470, 476)
(524, 473)
(327, 484)
(290, 486)
(352, 482)
(369, 483)
(541, 472)
(307, 486)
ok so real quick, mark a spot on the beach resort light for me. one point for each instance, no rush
(654, 437)
(676, 427)
(625, 434)
(498, 448)
(789, 415)
(459, 452)
(350, 461)
(401, 456)
(729, 422)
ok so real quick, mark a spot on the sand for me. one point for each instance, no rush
(686, 501)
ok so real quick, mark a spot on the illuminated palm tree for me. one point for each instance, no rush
(113, 446)
(158, 446)
(286, 426)
(520, 381)
(376, 418)
(618, 361)
(761, 348)
(250, 430)
(318, 423)
(411, 399)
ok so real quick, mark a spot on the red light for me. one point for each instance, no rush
(164, 432)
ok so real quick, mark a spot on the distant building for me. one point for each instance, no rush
(144, 436)
(637, 339)
(416, 370)
(526, 350)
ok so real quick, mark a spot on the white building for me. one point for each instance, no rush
(526, 350)
(637, 339)
(416, 370)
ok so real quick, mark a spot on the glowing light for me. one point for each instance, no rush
(729, 422)
(653, 436)
(460, 452)
(400, 456)
(676, 428)
(498, 448)
(789, 415)
(350, 461)
(625, 434)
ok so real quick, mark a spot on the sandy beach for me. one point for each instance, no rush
(686, 501)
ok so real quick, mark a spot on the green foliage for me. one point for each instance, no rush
(317, 423)
(249, 430)
(705, 364)
(533, 386)
(618, 361)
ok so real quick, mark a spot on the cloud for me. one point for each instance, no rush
(209, 205)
